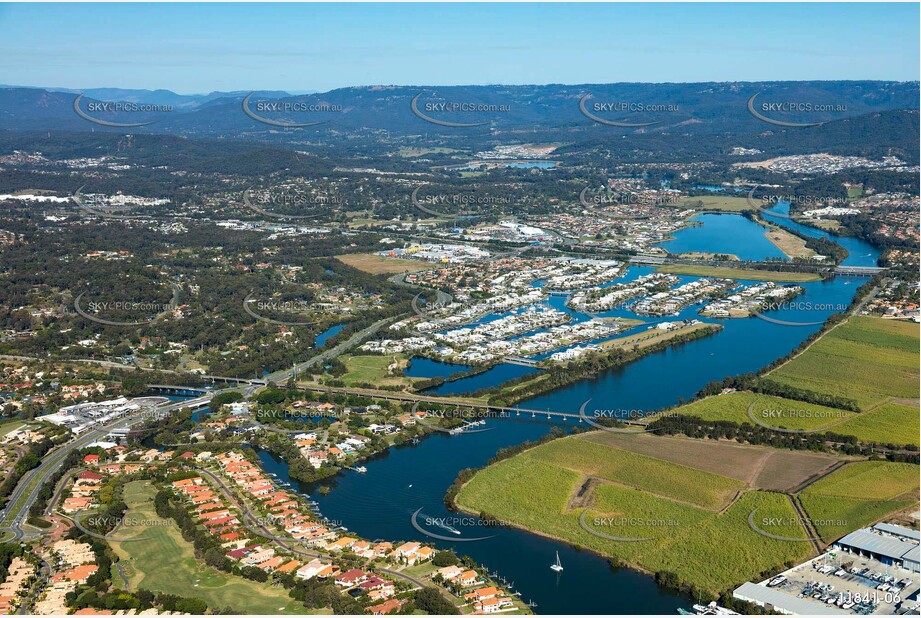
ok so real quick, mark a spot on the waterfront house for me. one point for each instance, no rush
(481, 594)
(450, 573)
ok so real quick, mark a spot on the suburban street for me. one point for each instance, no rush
(17, 510)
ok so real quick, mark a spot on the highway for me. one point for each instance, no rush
(24, 495)
(280, 377)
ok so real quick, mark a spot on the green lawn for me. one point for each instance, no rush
(713, 550)
(737, 273)
(858, 495)
(372, 369)
(163, 562)
(866, 359)
(9, 425)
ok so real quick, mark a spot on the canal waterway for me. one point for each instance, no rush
(380, 503)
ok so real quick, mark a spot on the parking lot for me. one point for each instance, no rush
(860, 585)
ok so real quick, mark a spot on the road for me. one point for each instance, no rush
(254, 525)
(870, 296)
(87, 361)
(282, 376)
(26, 492)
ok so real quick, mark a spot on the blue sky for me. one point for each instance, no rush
(193, 48)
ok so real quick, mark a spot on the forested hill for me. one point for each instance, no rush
(695, 108)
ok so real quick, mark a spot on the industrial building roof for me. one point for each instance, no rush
(898, 530)
(913, 554)
(877, 544)
(787, 602)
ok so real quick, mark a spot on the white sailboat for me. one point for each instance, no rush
(558, 566)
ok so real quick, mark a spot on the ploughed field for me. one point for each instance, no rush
(759, 467)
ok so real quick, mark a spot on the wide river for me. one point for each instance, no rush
(380, 503)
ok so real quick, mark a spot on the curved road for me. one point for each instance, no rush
(252, 523)
(26, 491)
(282, 376)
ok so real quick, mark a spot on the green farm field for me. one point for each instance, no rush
(866, 359)
(768, 410)
(890, 423)
(859, 494)
(658, 477)
(656, 504)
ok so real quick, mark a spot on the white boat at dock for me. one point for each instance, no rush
(712, 609)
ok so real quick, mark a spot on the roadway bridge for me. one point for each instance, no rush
(440, 403)
(519, 360)
(859, 271)
(178, 391)
(228, 380)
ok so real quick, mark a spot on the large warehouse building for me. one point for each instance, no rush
(888, 543)
(782, 602)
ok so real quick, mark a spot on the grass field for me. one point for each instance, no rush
(865, 359)
(379, 264)
(10, 425)
(372, 369)
(714, 550)
(854, 192)
(828, 225)
(163, 562)
(791, 244)
(737, 273)
(859, 494)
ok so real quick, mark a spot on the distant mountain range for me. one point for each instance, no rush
(671, 109)
(160, 96)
